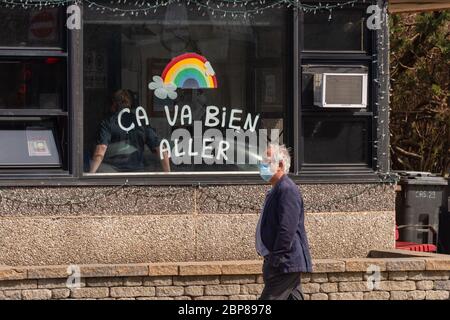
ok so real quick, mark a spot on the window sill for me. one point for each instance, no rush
(187, 179)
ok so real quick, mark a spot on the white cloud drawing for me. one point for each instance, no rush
(163, 90)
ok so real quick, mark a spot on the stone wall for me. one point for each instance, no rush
(133, 224)
(403, 276)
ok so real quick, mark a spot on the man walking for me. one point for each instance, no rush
(280, 234)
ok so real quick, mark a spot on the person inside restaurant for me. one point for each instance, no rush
(120, 150)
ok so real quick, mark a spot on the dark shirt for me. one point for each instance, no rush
(126, 149)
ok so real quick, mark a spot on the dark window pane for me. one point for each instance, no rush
(307, 89)
(344, 32)
(30, 27)
(35, 83)
(30, 142)
(345, 90)
(248, 58)
(335, 141)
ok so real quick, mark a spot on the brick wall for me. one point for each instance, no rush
(397, 278)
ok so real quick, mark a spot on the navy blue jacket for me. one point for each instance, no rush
(283, 230)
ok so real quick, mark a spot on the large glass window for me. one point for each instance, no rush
(207, 92)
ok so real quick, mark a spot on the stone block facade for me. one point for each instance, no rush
(131, 224)
(403, 276)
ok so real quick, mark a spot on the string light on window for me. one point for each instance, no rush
(219, 8)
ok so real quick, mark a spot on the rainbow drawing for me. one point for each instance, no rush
(190, 71)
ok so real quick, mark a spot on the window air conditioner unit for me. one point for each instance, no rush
(340, 90)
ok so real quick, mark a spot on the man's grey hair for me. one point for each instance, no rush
(281, 153)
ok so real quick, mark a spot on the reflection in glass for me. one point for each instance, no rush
(29, 141)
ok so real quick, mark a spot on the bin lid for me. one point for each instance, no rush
(421, 178)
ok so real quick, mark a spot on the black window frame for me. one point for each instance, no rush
(74, 175)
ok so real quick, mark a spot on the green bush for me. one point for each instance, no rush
(420, 81)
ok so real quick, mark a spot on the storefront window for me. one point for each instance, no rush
(207, 92)
(30, 27)
(336, 114)
(185, 90)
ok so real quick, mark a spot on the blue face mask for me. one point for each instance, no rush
(265, 172)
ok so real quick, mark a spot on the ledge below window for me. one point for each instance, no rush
(187, 179)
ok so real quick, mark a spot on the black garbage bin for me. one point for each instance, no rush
(422, 209)
(444, 225)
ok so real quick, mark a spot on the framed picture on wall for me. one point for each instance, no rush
(155, 106)
(269, 89)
